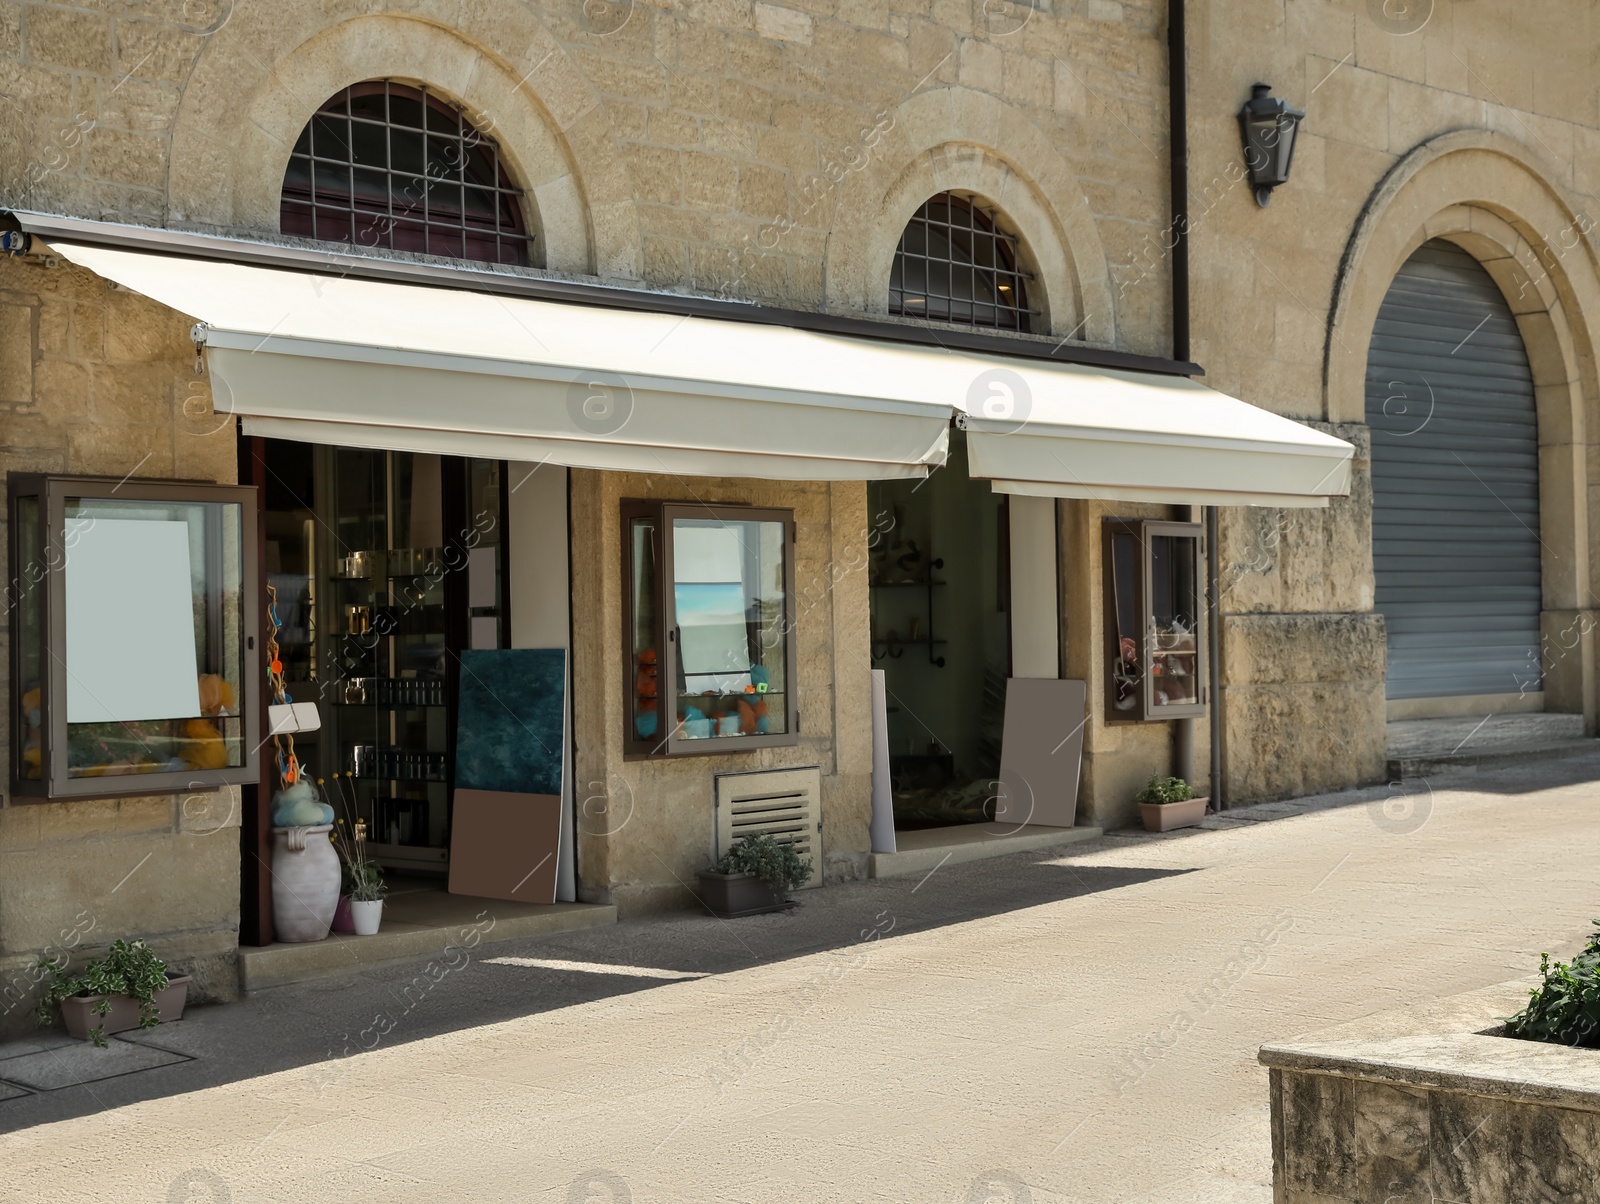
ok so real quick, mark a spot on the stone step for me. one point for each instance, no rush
(435, 925)
(925, 850)
(1480, 733)
(1426, 765)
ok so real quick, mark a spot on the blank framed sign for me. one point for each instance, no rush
(130, 646)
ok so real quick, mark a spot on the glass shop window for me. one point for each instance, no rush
(1154, 607)
(709, 636)
(135, 606)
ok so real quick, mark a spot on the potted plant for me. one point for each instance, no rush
(130, 987)
(361, 878)
(1167, 803)
(1564, 1008)
(755, 875)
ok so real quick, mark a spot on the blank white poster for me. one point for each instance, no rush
(130, 621)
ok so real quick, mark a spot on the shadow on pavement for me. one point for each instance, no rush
(323, 1022)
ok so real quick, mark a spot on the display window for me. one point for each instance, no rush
(1154, 619)
(709, 637)
(133, 619)
(384, 567)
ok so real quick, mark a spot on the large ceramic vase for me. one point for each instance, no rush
(305, 883)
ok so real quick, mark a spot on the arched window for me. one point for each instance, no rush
(387, 165)
(955, 264)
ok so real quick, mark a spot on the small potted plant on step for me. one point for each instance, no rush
(129, 987)
(1167, 803)
(361, 878)
(755, 875)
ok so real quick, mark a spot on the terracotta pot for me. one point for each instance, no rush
(733, 895)
(367, 914)
(78, 1010)
(1163, 817)
(305, 883)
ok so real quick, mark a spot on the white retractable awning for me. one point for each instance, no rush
(336, 359)
(1140, 437)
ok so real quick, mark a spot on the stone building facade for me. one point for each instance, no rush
(773, 152)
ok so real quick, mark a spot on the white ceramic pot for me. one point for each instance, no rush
(305, 883)
(366, 914)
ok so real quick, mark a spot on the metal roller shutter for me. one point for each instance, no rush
(1455, 482)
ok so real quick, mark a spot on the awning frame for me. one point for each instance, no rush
(307, 256)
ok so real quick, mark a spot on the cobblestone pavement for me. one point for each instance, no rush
(1048, 1027)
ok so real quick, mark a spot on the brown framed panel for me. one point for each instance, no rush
(129, 777)
(640, 676)
(1173, 593)
(28, 548)
(679, 742)
(1122, 570)
(255, 809)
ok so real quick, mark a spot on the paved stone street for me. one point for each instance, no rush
(1079, 1026)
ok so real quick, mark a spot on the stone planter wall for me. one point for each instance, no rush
(1468, 1117)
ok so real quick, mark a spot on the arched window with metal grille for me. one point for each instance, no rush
(388, 165)
(955, 263)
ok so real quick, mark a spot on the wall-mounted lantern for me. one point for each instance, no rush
(1269, 126)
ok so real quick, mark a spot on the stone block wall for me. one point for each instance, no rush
(1303, 653)
(1469, 1118)
(658, 831)
(99, 381)
(1424, 120)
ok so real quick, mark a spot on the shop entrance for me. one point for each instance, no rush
(386, 566)
(940, 582)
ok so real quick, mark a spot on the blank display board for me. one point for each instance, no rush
(130, 621)
(1042, 752)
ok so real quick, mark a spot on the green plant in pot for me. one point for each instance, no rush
(1564, 1009)
(360, 877)
(756, 874)
(130, 987)
(1167, 802)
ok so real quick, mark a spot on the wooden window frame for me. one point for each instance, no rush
(667, 742)
(1146, 710)
(53, 782)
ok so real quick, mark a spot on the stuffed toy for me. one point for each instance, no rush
(1127, 675)
(202, 746)
(31, 755)
(216, 695)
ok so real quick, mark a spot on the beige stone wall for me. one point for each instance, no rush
(759, 150)
(657, 827)
(100, 381)
(1469, 121)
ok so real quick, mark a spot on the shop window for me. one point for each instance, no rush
(709, 631)
(1155, 635)
(133, 618)
(955, 263)
(386, 165)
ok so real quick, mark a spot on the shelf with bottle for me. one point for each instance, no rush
(406, 693)
(385, 762)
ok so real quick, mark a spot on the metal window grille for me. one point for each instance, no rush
(955, 265)
(386, 165)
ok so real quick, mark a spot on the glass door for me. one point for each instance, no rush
(393, 560)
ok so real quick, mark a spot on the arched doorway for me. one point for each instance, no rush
(1455, 484)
